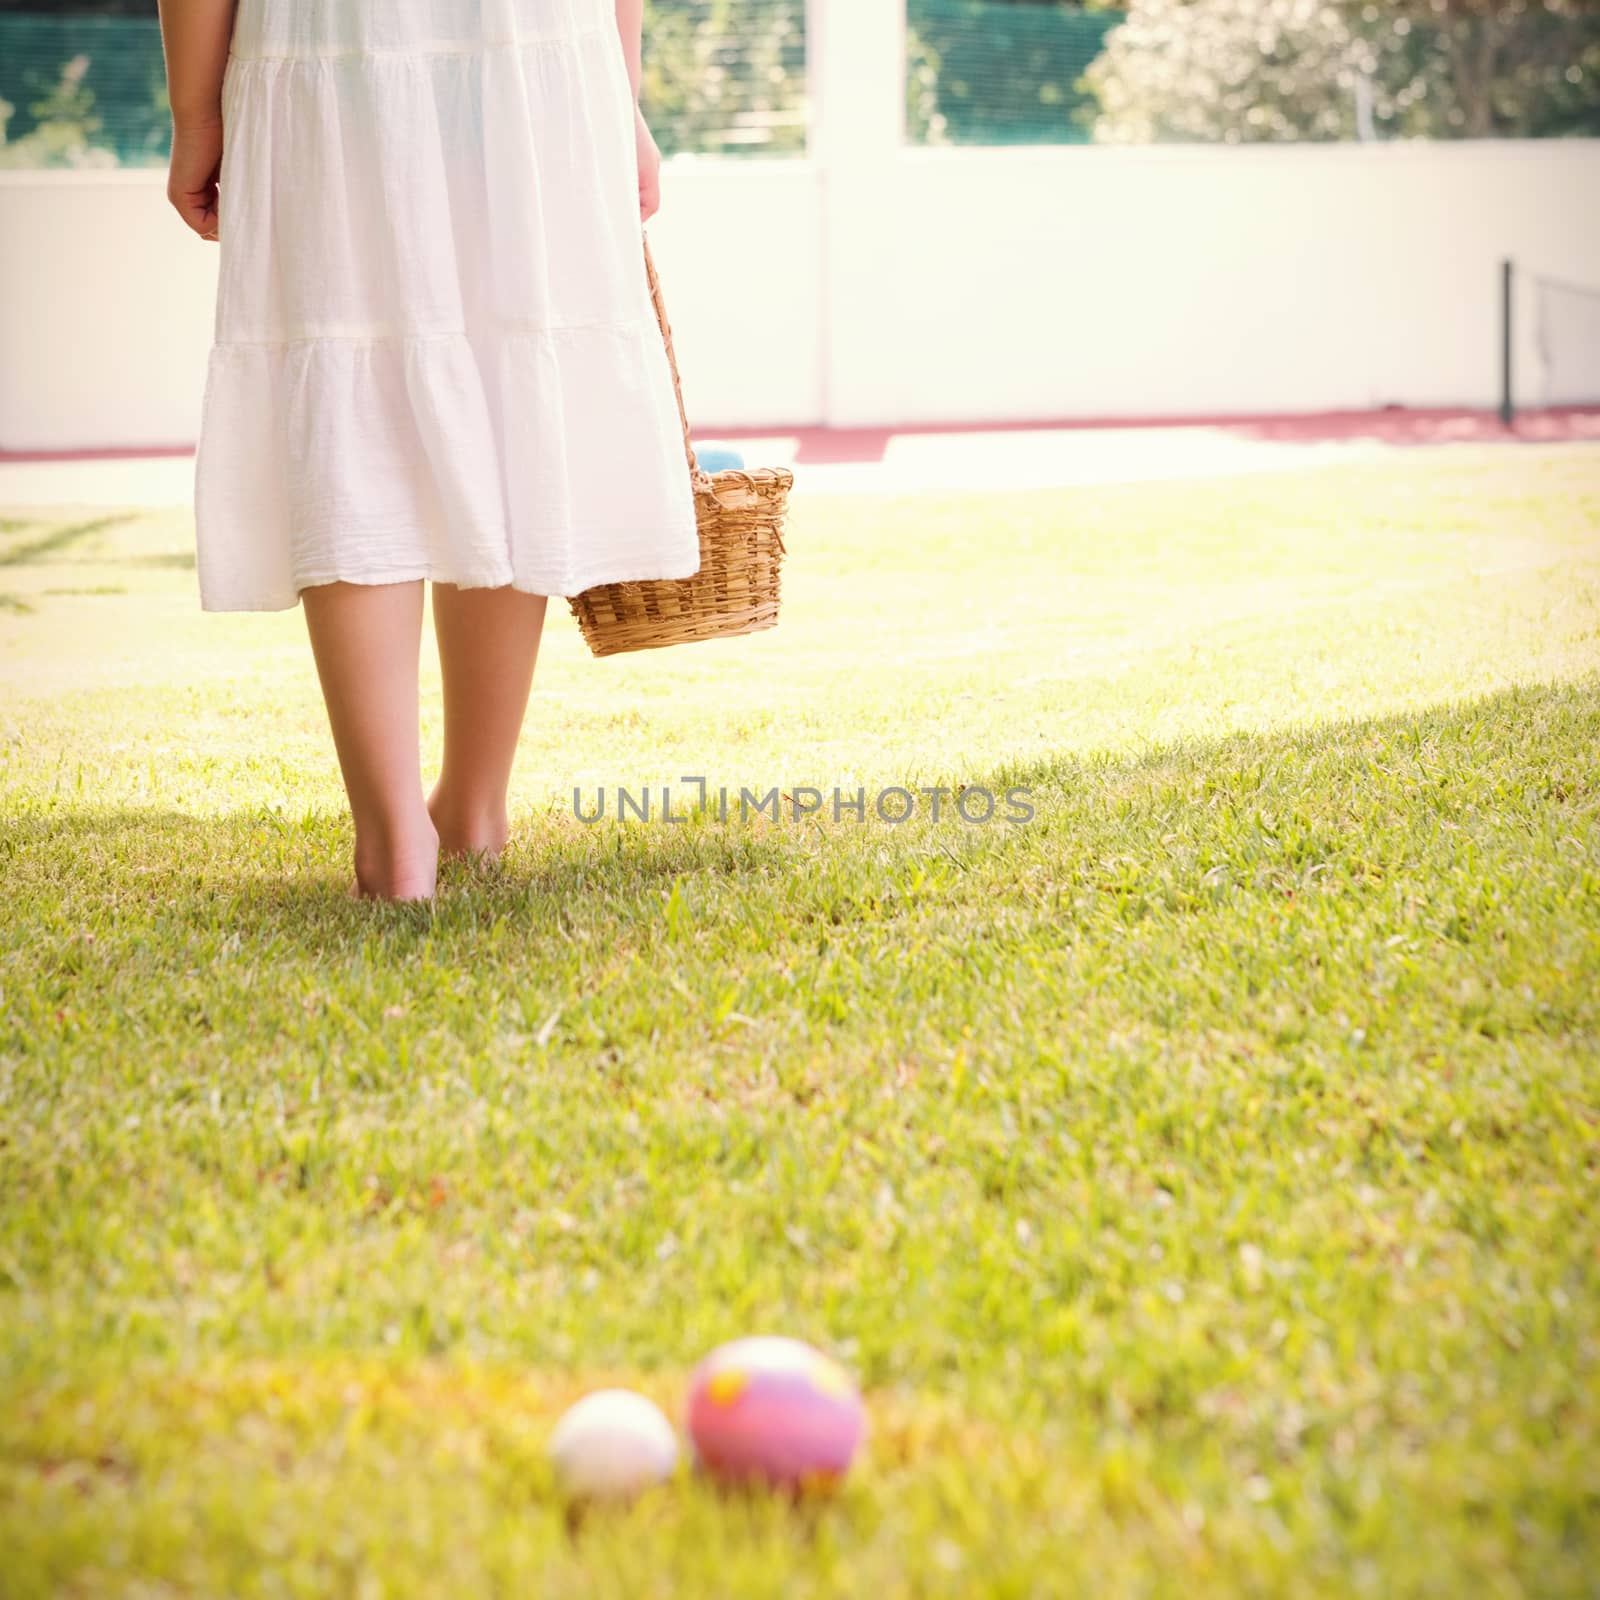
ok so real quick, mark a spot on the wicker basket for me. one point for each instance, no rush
(741, 516)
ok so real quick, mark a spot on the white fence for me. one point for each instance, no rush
(877, 284)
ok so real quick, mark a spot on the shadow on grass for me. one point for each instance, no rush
(273, 877)
(35, 551)
(278, 877)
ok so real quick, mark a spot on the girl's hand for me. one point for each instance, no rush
(192, 180)
(649, 168)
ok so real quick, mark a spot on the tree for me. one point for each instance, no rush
(81, 87)
(726, 76)
(720, 76)
(999, 71)
(1247, 70)
(64, 128)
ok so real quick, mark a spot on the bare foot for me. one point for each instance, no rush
(465, 834)
(407, 873)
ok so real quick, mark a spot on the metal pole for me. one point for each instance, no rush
(1508, 402)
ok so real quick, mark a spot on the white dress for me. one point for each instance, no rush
(435, 353)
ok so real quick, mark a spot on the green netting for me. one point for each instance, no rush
(722, 76)
(727, 77)
(998, 72)
(81, 90)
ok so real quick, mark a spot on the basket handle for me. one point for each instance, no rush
(700, 478)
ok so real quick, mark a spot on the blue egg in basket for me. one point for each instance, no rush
(718, 457)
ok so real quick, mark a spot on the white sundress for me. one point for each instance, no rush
(435, 353)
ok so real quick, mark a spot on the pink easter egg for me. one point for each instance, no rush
(774, 1410)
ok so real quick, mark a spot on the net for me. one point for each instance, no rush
(82, 90)
(1567, 332)
(998, 72)
(81, 81)
(723, 77)
(726, 77)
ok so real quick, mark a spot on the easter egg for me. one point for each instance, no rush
(718, 457)
(774, 1410)
(611, 1445)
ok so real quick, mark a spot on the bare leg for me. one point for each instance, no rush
(366, 639)
(488, 645)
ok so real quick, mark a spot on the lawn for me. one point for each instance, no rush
(1199, 1177)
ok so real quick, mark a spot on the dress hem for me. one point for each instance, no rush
(500, 578)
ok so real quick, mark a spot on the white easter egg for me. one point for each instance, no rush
(612, 1444)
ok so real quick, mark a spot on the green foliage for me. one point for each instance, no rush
(1200, 1177)
(82, 91)
(726, 76)
(1241, 71)
(82, 8)
(999, 72)
(721, 76)
(64, 131)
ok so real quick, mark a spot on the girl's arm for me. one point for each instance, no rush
(630, 24)
(196, 35)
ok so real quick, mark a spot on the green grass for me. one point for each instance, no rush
(1200, 1178)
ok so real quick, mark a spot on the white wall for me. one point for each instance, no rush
(914, 285)
(1083, 282)
(106, 307)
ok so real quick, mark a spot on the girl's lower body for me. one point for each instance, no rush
(436, 361)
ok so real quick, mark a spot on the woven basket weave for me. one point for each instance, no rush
(741, 517)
